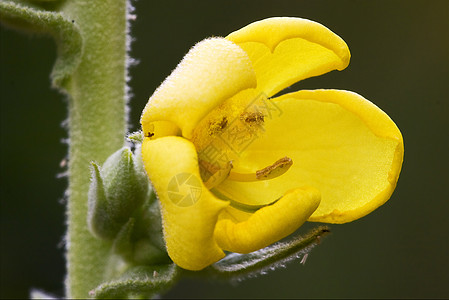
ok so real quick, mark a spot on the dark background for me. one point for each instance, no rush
(400, 61)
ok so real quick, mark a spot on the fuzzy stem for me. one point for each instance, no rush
(97, 126)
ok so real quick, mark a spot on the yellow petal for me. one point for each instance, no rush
(189, 210)
(340, 143)
(267, 225)
(213, 70)
(287, 50)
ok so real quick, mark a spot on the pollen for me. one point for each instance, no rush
(272, 171)
(217, 126)
(252, 117)
(278, 168)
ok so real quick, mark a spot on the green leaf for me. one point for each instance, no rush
(26, 16)
(138, 282)
(240, 266)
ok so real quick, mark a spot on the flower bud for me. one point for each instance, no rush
(117, 190)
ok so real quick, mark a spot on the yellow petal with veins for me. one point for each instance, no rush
(286, 50)
(267, 225)
(340, 143)
(211, 72)
(188, 209)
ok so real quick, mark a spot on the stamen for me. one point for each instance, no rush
(218, 175)
(150, 132)
(249, 208)
(275, 170)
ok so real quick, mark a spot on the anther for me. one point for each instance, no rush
(252, 117)
(150, 132)
(217, 126)
(275, 170)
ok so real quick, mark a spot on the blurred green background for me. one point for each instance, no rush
(400, 61)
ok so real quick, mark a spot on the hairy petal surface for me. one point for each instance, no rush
(211, 72)
(286, 50)
(189, 210)
(343, 145)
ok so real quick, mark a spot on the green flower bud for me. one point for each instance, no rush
(123, 243)
(146, 253)
(116, 192)
(151, 224)
(140, 240)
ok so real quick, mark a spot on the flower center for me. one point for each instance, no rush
(274, 170)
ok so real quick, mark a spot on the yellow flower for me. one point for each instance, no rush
(238, 170)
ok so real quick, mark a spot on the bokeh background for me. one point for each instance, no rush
(400, 61)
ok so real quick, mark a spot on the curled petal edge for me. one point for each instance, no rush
(285, 50)
(269, 224)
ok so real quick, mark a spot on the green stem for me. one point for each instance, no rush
(97, 126)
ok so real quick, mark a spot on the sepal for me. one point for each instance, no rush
(136, 137)
(240, 266)
(137, 247)
(99, 221)
(146, 253)
(123, 242)
(150, 224)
